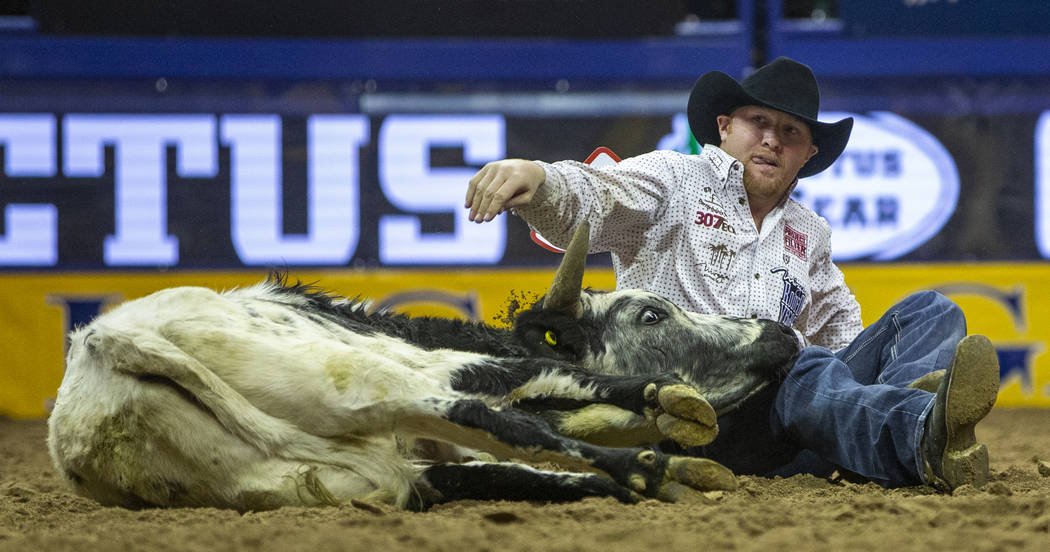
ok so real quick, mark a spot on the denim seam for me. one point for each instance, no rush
(865, 344)
(830, 398)
(920, 432)
(896, 335)
(919, 427)
(895, 319)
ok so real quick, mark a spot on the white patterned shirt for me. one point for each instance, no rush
(680, 225)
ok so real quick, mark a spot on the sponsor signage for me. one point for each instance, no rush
(195, 190)
(1002, 301)
(139, 178)
(892, 189)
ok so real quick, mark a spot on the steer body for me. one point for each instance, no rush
(258, 398)
(280, 394)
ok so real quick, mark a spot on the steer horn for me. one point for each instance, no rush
(564, 293)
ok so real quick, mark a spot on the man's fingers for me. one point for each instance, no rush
(492, 200)
(511, 192)
(481, 181)
(469, 199)
(475, 183)
(500, 185)
(490, 194)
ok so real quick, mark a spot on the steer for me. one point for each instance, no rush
(280, 394)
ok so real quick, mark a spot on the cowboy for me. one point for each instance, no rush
(718, 232)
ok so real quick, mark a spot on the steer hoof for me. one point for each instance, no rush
(673, 491)
(683, 401)
(701, 474)
(688, 418)
(684, 432)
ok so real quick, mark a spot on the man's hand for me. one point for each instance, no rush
(500, 185)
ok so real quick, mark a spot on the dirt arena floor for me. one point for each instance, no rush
(1011, 513)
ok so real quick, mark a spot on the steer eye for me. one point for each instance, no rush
(651, 316)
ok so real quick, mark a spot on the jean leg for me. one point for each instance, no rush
(916, 336)
(873, 430)
(854, 409)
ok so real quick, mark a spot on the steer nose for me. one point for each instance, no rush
(787, 331)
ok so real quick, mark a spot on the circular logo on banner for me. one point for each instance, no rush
(891, 190)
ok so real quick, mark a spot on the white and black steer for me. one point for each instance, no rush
(279, 394)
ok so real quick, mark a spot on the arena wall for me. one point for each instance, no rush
(1000, 300)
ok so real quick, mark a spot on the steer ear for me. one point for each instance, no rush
(564, 293)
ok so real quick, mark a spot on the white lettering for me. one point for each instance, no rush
(30, 235)
(332, 189)
(140, 142)
(1042, 184)
(411, 184)
(893, 188)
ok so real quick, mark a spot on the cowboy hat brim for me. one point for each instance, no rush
(716, 93)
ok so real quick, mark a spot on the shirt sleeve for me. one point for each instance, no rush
(832, 319)
(616, 200)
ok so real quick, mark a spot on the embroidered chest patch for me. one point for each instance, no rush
(792, 299)
(713, 220)
(795, 242)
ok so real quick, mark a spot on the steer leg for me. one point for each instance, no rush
(511, 481)
(602, 424)
(512, 433)
(594, 406)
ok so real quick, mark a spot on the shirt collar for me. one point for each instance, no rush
(723, 163)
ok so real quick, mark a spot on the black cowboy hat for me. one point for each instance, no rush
(785, 85)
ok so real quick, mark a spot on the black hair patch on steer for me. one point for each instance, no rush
(517, 482)
(544, 404)
(513, 427)
(574, 337)
(426, 332)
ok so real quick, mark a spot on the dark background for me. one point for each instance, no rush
(973, 73)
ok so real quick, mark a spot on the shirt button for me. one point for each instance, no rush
(757, 276)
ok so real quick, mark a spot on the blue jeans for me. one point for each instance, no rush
(849, 409)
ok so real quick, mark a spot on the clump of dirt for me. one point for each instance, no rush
(517, 301)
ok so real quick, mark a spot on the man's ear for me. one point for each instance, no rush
(723, 126)
(813, 149)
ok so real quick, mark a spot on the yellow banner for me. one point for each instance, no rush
(1005, 302)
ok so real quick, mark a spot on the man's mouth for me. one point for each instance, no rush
(763, 160)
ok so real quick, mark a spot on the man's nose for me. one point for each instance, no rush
(771, 139)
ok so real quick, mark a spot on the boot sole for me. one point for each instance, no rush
(971, 396)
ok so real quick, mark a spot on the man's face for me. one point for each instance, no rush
(771, 144)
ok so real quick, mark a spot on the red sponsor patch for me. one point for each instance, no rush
(711, 220)
(795, 242)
